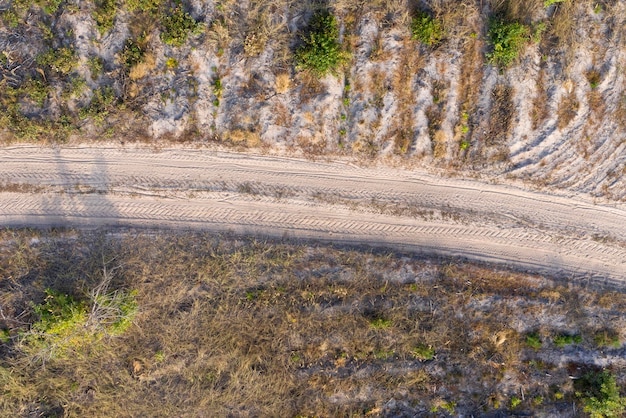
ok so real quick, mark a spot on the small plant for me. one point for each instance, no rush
(321, 52)
(562, 340)
(178, 25)
(533, 341)
(600, 395)
(426, 29)
(101, 104)
(36, 90)
(548, 3)
(171, 63)
(423, 352)
(464, 145)
(217, 91)
(380, 323)
(439, 405)
(507, 40)
(594, 78)
(60, 317)
(515, 402)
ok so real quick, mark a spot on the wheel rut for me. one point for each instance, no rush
(333, 201)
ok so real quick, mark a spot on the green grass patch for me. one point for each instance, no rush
(423, 352)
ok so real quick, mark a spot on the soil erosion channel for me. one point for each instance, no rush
(572, 237)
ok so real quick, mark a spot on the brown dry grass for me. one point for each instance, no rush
(249, 328)
(540, 110)
(501, 115)
(568, 108)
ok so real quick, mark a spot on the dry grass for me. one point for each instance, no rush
(501, 115)
(283, 83)
(568, 108)
(540, 110)
(248, 328)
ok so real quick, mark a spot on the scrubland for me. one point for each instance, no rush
(147, 323)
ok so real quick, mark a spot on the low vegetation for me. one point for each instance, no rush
(171, 324)
(427, 29)
(320, 52)
(507, 40)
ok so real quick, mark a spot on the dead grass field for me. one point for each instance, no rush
(229, 326)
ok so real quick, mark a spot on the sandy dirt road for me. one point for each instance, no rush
(571, 237)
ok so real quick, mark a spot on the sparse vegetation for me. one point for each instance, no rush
(321, 52)
(236, 330)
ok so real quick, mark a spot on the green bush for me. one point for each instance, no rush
(178, 25)
(507, 40)
(600, 395)
(426, 29)
(533, 340)
(104, 15)
(132, 53)
(62, 60)
(562, 340)
(321, 52)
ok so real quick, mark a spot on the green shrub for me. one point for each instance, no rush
(507, 41)
(104, 15)
(50, 6)
(37, 90)
(62, 60)
(607, 338)
(533, 340)
(11, 19)
(132, 53)
(600, 395)
(148, 6)
(60, 317)
(426, 29)
(321, 52)
(178, 25)
(101, 104)
(96, 66)
(562, 340)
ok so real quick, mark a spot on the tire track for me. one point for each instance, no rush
(332, 201)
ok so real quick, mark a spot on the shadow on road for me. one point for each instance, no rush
(81, 198)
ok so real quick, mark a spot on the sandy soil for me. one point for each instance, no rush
(571, 237)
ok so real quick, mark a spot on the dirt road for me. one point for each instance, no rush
(334, 201)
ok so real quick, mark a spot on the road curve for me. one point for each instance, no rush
(571, 237)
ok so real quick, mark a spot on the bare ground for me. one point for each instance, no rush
(567, 236)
